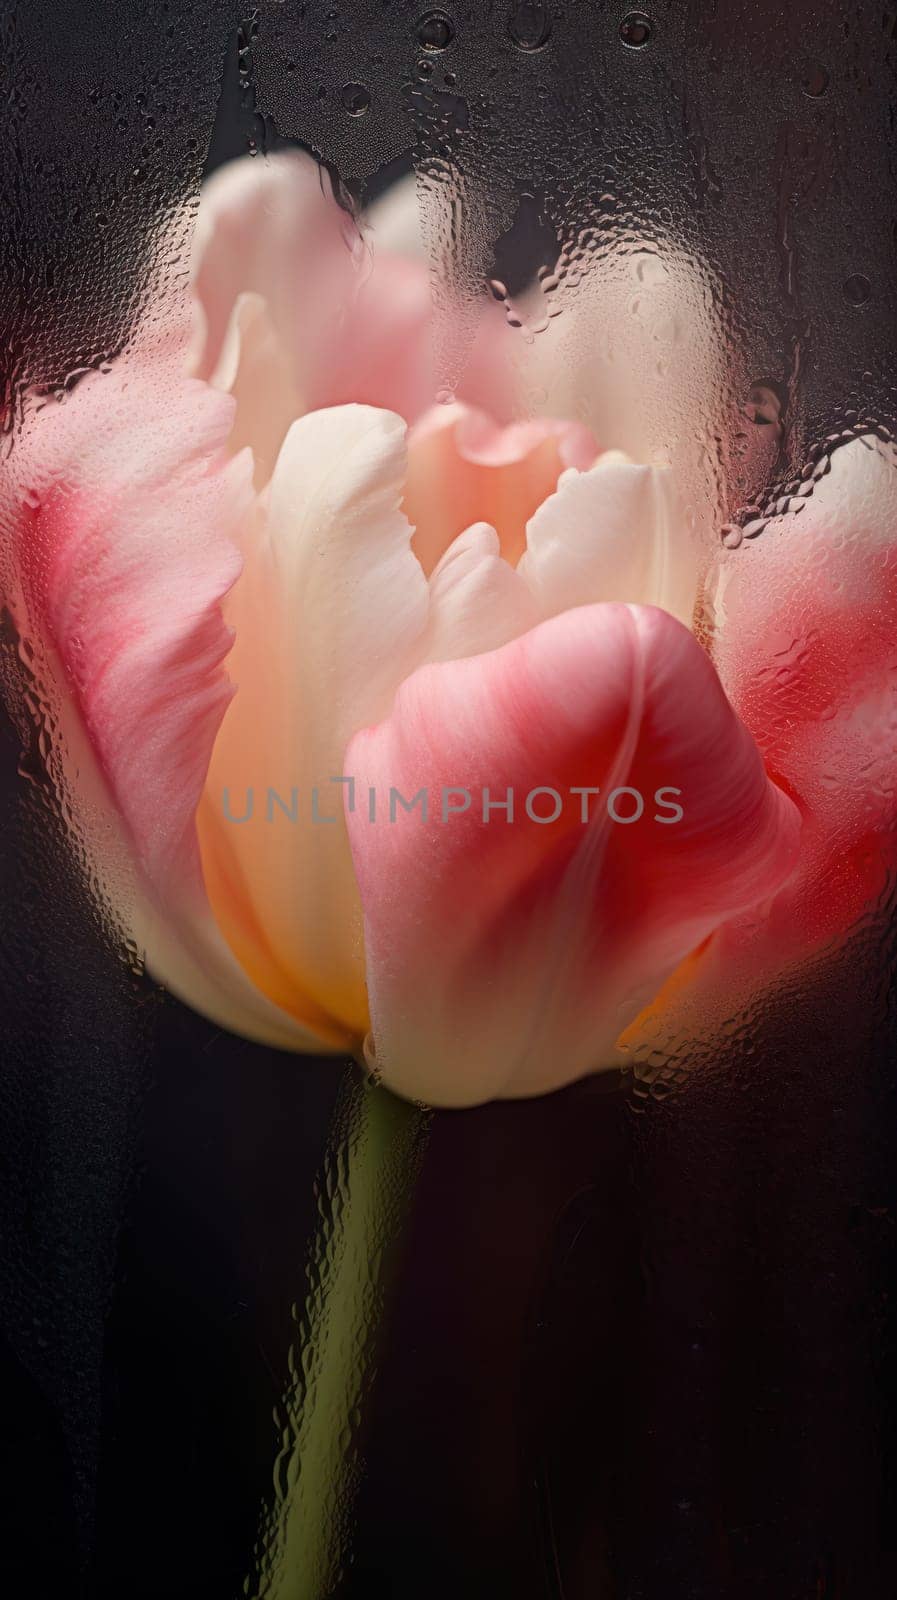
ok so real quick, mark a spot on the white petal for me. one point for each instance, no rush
(611, 533)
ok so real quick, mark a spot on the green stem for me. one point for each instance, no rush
(369, 1170)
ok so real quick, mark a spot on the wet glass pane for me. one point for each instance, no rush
(480, 1201)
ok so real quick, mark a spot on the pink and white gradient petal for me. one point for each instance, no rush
(505, 957)
(120, 509)
(806, 643)
(464, 467)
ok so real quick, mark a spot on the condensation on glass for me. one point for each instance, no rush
(687, 213)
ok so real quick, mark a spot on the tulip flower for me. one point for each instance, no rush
(270, 593)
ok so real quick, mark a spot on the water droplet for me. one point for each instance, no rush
(815, 80)
(356, 99)
(529, 24)
(857, 289)
(424, 69)
(763, 405)
(636, 30)
(649, 269)
(754, 528)
(435, 31)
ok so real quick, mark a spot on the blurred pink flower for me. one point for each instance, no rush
(289, 568)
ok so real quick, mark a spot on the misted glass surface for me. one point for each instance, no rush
(635, 1338)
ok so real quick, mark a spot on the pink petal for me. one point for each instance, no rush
(122, 513)
(387, 358)
(126, 550)
(505, 958)
(806, 644)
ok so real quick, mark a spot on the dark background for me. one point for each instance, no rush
(642, 1342)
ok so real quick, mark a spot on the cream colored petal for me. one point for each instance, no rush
(477, 601)
(329, 616)
(612, 533)
(636, 348)
(255, 367)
